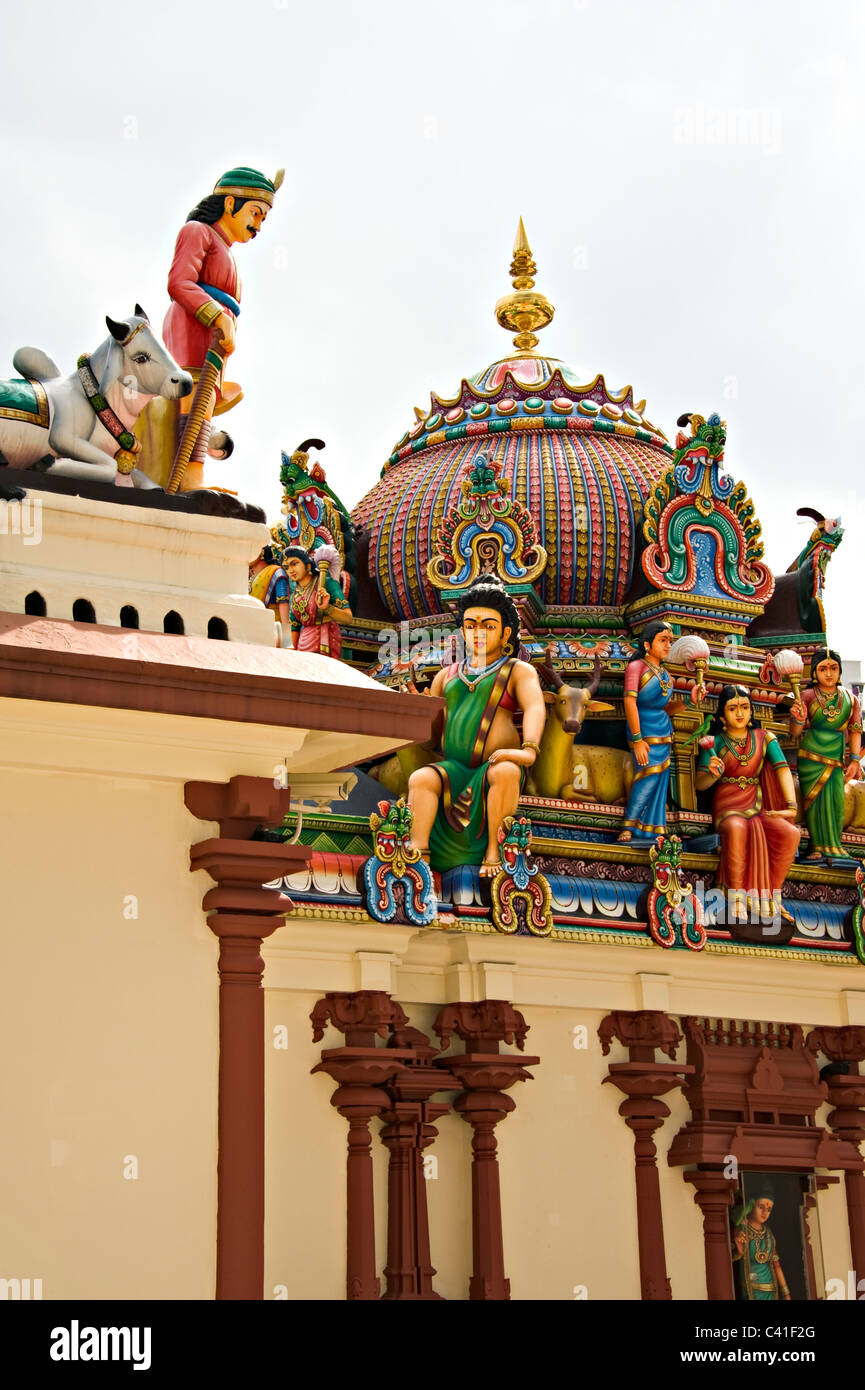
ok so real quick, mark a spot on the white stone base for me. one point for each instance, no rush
(68, 548)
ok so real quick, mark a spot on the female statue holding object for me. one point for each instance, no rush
(753, 809)
(648, 691)
(828, 722)
(317, 605)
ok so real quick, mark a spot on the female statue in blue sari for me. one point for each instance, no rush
(648, 689)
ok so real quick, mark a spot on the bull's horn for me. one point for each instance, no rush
(549, 670)
(593, 684)
(139, 313)
(118, 331)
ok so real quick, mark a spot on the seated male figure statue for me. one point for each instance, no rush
(460, 801)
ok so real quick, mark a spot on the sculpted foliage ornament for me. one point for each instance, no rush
(398, 884)
(700, 527)
(488, 533)
(520, 894)
(675, 914)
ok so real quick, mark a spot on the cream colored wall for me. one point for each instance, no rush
(111, 1036)
(193, 565)
(566, 1156)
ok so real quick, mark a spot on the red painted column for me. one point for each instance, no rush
(486, 1074)
(845, 1048)
(241, 914)
(714, 1194)
(643, 1081)
(240, 1167)
(361, 1070)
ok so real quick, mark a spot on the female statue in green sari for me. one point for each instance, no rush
(755, 1255)
(828, 723)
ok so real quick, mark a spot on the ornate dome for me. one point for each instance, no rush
(582, 459)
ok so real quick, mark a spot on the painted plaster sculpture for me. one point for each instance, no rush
(755, 1253)
(317, 605)
(754, 808)
(562, 769)
(675, 913)
(461, 801)
(313, 515)
(82, 425)
(269, 583)
(397, 883)
(648, 693)
(488, 532)
(703, 540)
(520, 893)
(827, 721)
(205, 291)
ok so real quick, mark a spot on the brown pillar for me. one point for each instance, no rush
(643, 1080)
(242, 914)
(845, 1048)
(714, 1194)
(361, 1070)
(486, 1074)
(240, 1167)
(409, 1128)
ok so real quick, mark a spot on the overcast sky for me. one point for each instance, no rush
(690, 175)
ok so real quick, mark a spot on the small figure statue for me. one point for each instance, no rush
(753, 809)
(460, 802)
(317, 605)
(199, 327)
(755, 1255)
(268, 582)
(827, 722)
(648, 691)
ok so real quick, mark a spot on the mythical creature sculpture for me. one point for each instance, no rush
(675, 914)
(313, 515)
(520, 894)
(796, 606)
(82, 425)
(396, 881)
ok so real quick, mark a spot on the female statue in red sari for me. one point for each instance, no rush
(753, 810)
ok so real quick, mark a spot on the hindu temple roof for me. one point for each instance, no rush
(579, 455)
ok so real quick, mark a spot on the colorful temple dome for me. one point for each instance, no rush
(580, 457)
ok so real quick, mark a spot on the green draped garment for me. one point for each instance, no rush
(821, 774)
(459, 835)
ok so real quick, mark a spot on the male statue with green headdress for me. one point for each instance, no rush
(200, 325)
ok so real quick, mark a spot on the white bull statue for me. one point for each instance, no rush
(81, 425)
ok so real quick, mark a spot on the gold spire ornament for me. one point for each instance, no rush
(524, 310)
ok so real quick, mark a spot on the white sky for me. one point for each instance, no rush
(690, 175)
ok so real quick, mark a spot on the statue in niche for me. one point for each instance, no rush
(755, 1254)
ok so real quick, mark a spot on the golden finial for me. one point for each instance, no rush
(525, 310)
